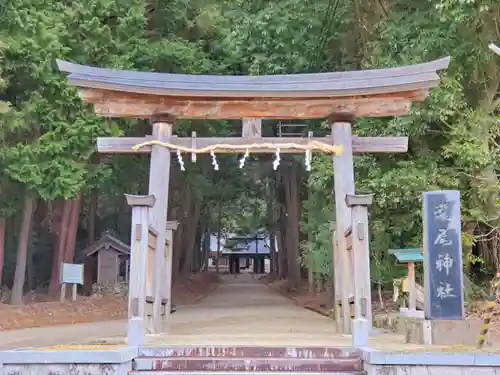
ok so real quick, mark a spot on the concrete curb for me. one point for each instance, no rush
(375, 357)
(119, 355)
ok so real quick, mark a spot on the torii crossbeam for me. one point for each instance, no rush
(360, 145)
(337, 96)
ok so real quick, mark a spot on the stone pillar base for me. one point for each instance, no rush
(135, 332)
(360, 332)
(412, 313)
(441, 332)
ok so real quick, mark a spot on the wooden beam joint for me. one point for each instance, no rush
(162, 117)
(342, 117)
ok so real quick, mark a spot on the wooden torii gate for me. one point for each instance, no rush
(339, 97)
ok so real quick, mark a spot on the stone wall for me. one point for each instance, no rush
(110, 289)
(435, 332)
(67, 362)
(430, 363)
(430, 370)
(67, 369)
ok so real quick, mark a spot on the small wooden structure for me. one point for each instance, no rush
(339, 97)
(410, 257)
(111, 255)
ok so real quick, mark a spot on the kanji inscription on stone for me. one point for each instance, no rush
(444, 297)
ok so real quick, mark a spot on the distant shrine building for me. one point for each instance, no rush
(251, 253)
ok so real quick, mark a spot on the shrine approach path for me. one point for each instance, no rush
(240, 311)
(244, 311)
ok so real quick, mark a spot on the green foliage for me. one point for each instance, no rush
(49, 144)
(317, 213)
(453, 135)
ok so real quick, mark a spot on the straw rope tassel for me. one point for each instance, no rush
(489, 311)
(313, 145)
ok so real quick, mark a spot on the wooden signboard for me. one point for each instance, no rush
(70, 274)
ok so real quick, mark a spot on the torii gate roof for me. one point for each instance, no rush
(375, 92)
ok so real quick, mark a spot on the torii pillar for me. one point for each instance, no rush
(343, 166)
(363, 322)
(167, 276)
(159, 178)
(136, 328)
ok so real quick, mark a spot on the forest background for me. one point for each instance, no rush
(57, 196)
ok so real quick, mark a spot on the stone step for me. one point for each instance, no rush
(237, 364)
(247, 351)
(151, 372)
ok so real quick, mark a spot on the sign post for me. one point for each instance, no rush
(70, 274)
(444, 298)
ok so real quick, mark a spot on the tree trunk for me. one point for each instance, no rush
(488, 175)
(206, 250)
(281, 237)
(182, 216)
(219, 234)
(191, 237)
(320, 285)
(281, 226)
(30, 269)
(70, 247)
(22, 251)
(3, 222)
(310, 275)
(94, 195)
(292, 232)
(271, 227)
(380, 298)
(59, 250)
(272, 256)
(197, 251)
(310, 255)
